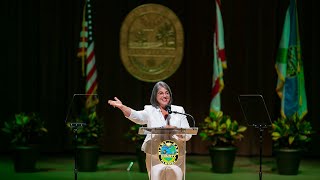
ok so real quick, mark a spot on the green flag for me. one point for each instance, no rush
(289, 66)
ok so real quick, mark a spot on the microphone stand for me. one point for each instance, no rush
(176, 112)
(168, 109)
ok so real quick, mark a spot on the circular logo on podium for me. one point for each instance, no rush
(168, 152)
(151, 42)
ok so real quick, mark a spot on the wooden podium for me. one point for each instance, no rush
(166, 151)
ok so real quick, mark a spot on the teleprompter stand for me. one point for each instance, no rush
(78, 102)
(256, 114)
(75, 127)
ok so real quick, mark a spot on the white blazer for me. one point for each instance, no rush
(153, 117)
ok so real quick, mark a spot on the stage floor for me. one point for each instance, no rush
(114, 167)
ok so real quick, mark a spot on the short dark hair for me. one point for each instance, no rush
(153, 98)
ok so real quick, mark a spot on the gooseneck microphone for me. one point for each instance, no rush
(168, 109)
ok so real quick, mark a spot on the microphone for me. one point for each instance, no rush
(168, 109)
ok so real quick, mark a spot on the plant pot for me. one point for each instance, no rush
(288, 161)
(87, 158)
(24, 159)
(141, 158)
(222, 159)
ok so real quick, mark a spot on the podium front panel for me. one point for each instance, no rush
(166, 151)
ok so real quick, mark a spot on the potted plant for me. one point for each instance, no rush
(24, 131)
(137, 139)
(222, 132)
(87, 140)
(290, 136)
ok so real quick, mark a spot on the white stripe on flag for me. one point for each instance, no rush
(91, 81)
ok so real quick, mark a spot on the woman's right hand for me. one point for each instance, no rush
(115, 103)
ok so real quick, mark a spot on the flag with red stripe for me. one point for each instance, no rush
(86, 52)
(219, 61)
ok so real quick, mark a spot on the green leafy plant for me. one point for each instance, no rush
(221, 130)
(92, 131)
(133, 135)
(25, 128)
(291, 132)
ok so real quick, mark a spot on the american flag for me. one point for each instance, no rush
(86, 51)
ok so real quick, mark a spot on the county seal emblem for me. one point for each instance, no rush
(168, 152)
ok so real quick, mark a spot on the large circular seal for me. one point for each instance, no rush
(168, 152)
(151, 42)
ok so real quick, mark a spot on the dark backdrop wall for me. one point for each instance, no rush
(40, 71)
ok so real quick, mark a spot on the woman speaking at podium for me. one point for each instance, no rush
(157, 115)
